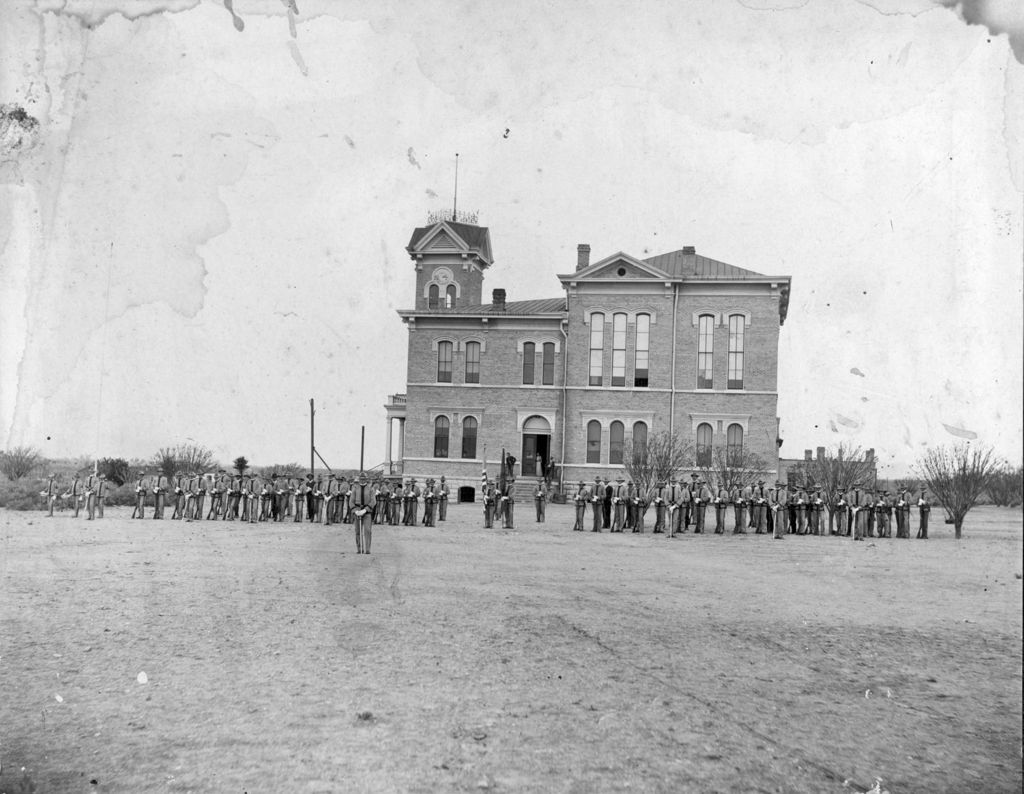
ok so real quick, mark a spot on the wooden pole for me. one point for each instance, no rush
(312, 443)
(362, 446)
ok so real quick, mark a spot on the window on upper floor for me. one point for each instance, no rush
(705, 348)
(618, 349)
(529, 361)
(737, 322)
(472, 362)
(593, 441)
(432, 297)
(449, 296)
(705, 437)
(596, 349)
(643, 345)
(616, 440)
(469, 427)
(734, 445)
(548, 372)
(442, 426)
(444, 362)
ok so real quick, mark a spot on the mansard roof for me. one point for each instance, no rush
(469, 236)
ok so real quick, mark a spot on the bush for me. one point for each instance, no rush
(19, 462)
(22, 495)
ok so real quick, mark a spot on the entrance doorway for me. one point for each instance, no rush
(536, 447)
(467, 493)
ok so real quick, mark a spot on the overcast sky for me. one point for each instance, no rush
(207, 226)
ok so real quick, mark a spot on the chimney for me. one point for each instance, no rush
(582, 256)
(689, 249)
(869, 456)
(807, 455)
(498, 299)
(821, 453)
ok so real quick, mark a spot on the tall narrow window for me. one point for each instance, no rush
(705, 347)
(444, 362)
(736, 325)
(529, 360)
(616, 437)
(639, 435)
(548, 373)
(704, 438)
(432, 299)
(734, 444)
(441, 428)
(643, 346)
(618, 350)
(469, 426)
(596, 348)
(449, 297)
(472, 362)
(593, 441)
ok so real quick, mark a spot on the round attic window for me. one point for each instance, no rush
(621, 271)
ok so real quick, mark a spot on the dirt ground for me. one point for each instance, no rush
(534, 659)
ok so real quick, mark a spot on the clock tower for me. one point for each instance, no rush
(450, 258)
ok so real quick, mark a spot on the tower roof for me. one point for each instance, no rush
(466, 235)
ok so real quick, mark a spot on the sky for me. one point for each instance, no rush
(204, 206)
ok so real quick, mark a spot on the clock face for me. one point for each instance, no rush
(442, 275)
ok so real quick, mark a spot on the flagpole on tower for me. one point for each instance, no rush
(455, 199)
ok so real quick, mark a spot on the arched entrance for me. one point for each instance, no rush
(536, 447)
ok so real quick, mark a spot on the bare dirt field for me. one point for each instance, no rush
(534, 659)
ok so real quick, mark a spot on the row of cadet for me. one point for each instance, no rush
(331, 499)
(777, 510)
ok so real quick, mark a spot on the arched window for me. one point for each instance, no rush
(593, 441)
(548, 372)
(639, 434)
(529, 359)
(643, 345)
(432, 297)
(469, 426)
(705, 435)
(705, 348)
(449, 297)
(618, 350)
(596, 348)
(472, 362)
(736, 324)
(616, 438)
(734, 444)
(441, 429)
(444, 362)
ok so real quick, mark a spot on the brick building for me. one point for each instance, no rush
(677, 342)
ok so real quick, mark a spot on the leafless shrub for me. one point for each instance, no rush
(19, 462)
(957, 475)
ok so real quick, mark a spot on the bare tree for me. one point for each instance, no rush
(165, 461)
(733, 468)
(957, 475)
(195, 458)
(282, 470)
(1006, 487)
(19, 462)
(908, 484)
(836, 472)
(662, 457)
